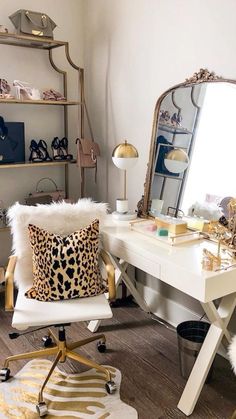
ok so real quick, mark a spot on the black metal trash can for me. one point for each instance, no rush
(191, 335)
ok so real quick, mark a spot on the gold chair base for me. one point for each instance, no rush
(62, 350)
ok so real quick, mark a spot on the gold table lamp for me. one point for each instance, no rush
(124, 156)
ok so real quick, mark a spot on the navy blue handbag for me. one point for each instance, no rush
(164, 147)
(12, 142)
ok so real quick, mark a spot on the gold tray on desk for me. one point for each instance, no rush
(144, 226)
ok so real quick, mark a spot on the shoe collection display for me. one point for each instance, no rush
(52, 94)
(60, 149)
(39, 150)
(5, 90)
(23, 91)
(174, 120)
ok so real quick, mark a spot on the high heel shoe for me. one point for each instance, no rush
(24, 92)
(5, 90)
(35, 152)
(52, 94)
(56, 150)
(64, 149)
(44, 150)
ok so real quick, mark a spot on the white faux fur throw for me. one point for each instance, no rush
(232, 353)
(58, 218)
(209, 211)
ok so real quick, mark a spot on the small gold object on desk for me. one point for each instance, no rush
(197, 223)
(224, 230)
(210, 262)
(172, 224)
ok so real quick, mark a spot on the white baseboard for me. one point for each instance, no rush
(168, 310)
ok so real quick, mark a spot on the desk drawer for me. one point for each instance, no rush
(134, 258)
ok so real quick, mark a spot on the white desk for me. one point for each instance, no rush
(180, 267)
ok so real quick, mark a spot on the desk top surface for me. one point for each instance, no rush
(179, 265)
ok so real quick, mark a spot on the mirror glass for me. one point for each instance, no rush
(196, 121)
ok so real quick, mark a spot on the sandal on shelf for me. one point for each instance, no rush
(24, 92)
(64, 149)
(52, 94)
(44, 150)
(5, 90)
(56, 150)
(36, 154)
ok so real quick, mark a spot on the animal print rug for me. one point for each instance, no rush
(68, 396)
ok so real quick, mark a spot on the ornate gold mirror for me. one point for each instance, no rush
(193, 146)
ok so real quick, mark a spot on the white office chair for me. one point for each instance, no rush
(63, 219)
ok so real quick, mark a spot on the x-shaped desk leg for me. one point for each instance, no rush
(122, 267)
(121, 274)
(219, 319)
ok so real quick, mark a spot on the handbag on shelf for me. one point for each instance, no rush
(41, 197)
(87, 153)
(28, 22)
(12, 142)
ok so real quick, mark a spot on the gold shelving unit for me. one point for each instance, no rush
(49, 45)
(41, 102)
(30, 41)
(36, 164)
(6, 228)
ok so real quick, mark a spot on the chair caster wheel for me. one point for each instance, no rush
(41, 409)
(110, 387)
(101, 346)
(4, 374)
(47, 341)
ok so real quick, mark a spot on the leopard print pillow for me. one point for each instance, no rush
(65, 267)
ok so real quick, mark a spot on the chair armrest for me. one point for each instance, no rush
(9, 280)
(110, 274)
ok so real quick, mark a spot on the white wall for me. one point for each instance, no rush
(135, 50)
(46, 122)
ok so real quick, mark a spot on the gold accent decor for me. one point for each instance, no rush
(9, 279)
(37, 33)
(41, 102)
(140, 207)
(29, 41)
(50, 44)
(125, 150)
(203, 75)
(61, 351)
(177, 154)
(226, 233)
(171, 224)
(30, 164)
(87, 399)
(110, 274)
(210, 262)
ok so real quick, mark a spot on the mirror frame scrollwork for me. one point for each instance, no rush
(202, 76)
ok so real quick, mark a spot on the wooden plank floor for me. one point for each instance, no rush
(146, 353)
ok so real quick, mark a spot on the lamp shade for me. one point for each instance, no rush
(125, 155)
(176, 161)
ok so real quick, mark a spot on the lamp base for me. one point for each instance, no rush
(127, 216)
